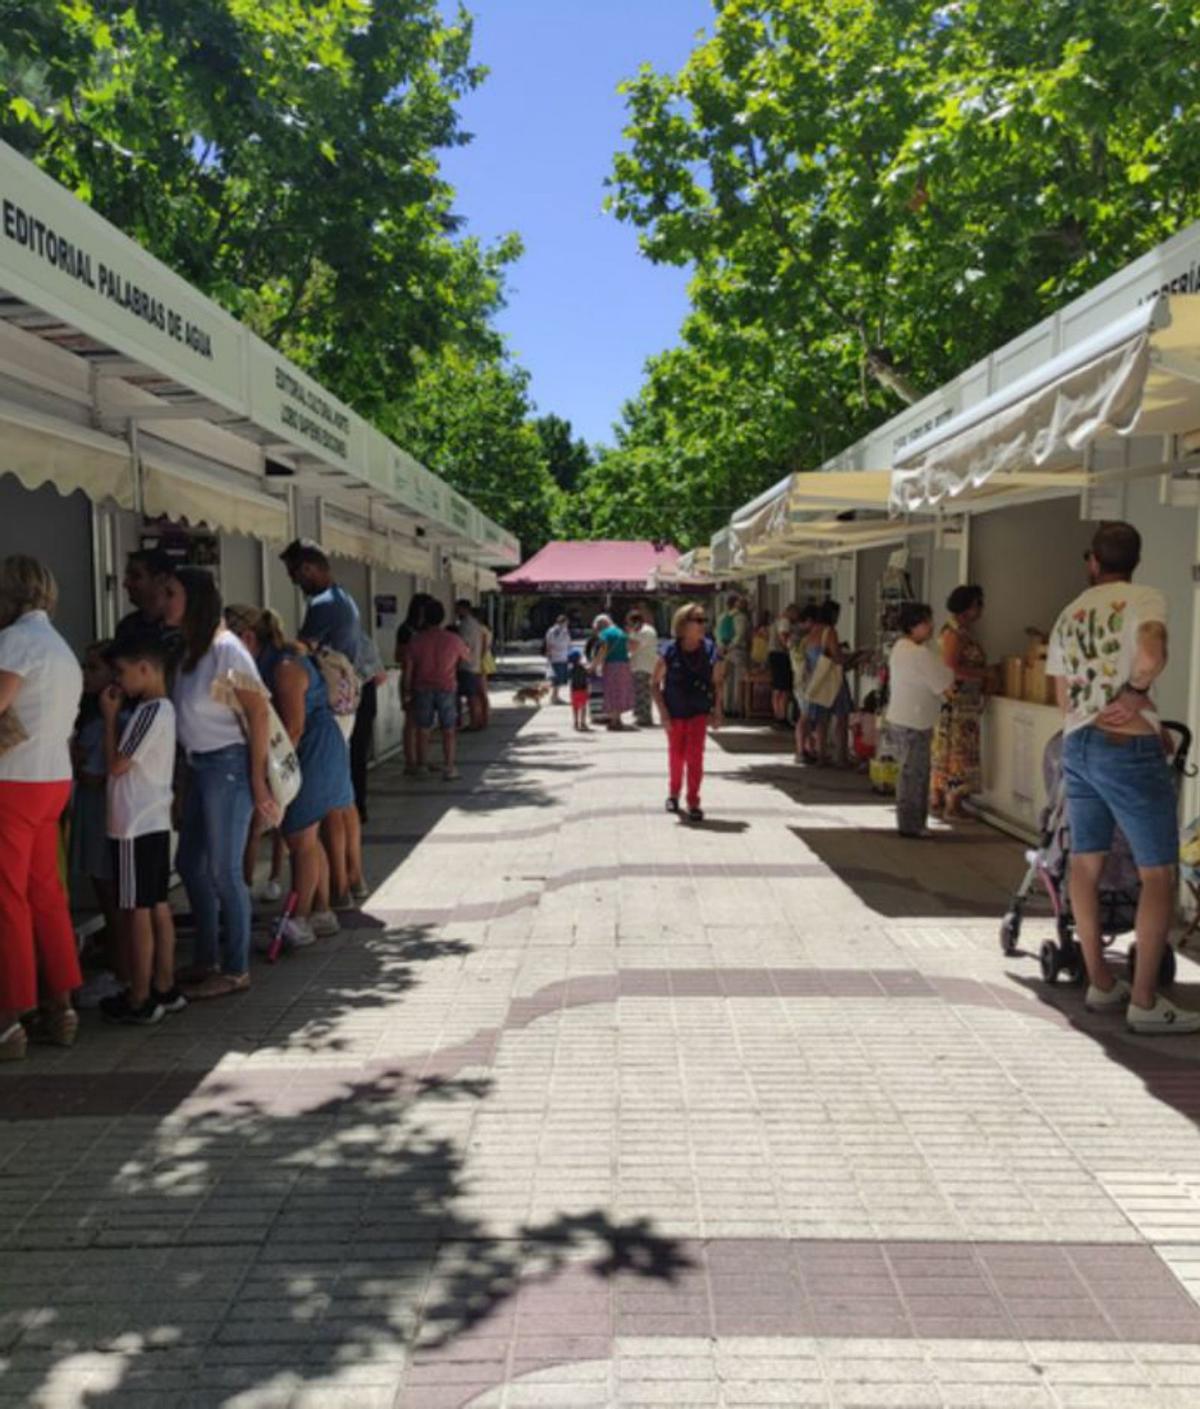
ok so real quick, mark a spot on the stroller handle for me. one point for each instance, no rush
(1183, 745)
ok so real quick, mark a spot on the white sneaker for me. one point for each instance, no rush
(1107, 1000)
(325, 924)
(298, 934)
(270, 890)
(451, 775)
(1163, 1020)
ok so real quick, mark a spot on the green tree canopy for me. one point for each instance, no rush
(568, 457)
(469, 418)
(873, 195)
(279, 154)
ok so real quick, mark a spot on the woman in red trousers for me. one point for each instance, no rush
(40, 684)
(687, 688)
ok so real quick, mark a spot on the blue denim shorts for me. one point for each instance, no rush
(1115, 781)
(436, 707)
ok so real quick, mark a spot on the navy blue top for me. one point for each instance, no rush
(688, 689)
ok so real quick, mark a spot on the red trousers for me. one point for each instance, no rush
(36, 934)
(685, 751)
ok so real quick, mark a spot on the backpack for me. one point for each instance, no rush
(341, 680)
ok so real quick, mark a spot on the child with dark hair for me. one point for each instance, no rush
(140, 760)
(581, 684)
(917, 682)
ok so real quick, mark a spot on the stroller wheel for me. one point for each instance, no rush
(1049, 957)
(1166, 968)
(1010, 932)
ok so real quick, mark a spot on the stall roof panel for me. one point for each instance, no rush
(1138, 375)
(598, 566)
(70, 278)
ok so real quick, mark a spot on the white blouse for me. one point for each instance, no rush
(203, 722)
(45, 705)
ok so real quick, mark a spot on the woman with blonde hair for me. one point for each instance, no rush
(302, 703)
(687, 689)
(40, 685)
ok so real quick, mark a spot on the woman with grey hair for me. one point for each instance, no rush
(611, 663)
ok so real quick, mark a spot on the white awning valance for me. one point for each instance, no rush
(180, 492)
(813, 511)
(1138, 376)
(44, 450)
(767, 521)
(344, 540)
(414, 558)
(470, 579)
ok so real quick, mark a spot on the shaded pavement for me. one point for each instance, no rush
(591, 1107)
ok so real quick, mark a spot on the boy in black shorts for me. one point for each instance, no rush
(141, 769)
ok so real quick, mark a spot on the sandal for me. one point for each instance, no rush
(218, 986)
(58, 1027)
(14, 1044)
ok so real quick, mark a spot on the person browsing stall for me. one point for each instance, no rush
(40, 683)
(1107, 650)
(917, 684)
(216, 687)
(140, 759)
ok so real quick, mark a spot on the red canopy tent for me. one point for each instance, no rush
(603, 566)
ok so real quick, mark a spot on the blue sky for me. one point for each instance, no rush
(585, 309)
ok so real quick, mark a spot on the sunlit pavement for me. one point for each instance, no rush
(592, 1107)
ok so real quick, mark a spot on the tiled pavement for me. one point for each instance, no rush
(594, 1108)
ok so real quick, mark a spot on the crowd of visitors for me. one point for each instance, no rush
(208, 719)
(205, 718)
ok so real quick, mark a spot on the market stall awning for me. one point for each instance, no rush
(179, 492)
(801, 495)
(1140, 375)
(809, 513)
(601, 566)
(44, 450)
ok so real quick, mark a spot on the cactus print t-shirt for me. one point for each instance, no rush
(1094, 643)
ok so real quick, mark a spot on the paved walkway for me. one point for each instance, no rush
(594, 1108)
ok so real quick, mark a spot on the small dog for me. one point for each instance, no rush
(531, 694)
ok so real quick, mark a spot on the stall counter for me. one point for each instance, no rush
(1014, 739)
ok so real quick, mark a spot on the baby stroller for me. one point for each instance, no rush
(1048, 863)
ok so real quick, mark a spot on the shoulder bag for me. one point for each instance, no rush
(283, 766)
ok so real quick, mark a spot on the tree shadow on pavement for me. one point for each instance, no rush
(269, 1243)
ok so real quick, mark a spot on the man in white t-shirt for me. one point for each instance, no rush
(558, 648)
(643, 657)
(1106, 651)
(141, 768)
(917, 685)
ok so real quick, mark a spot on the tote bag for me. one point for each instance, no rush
(283, 766)
(825, 683)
